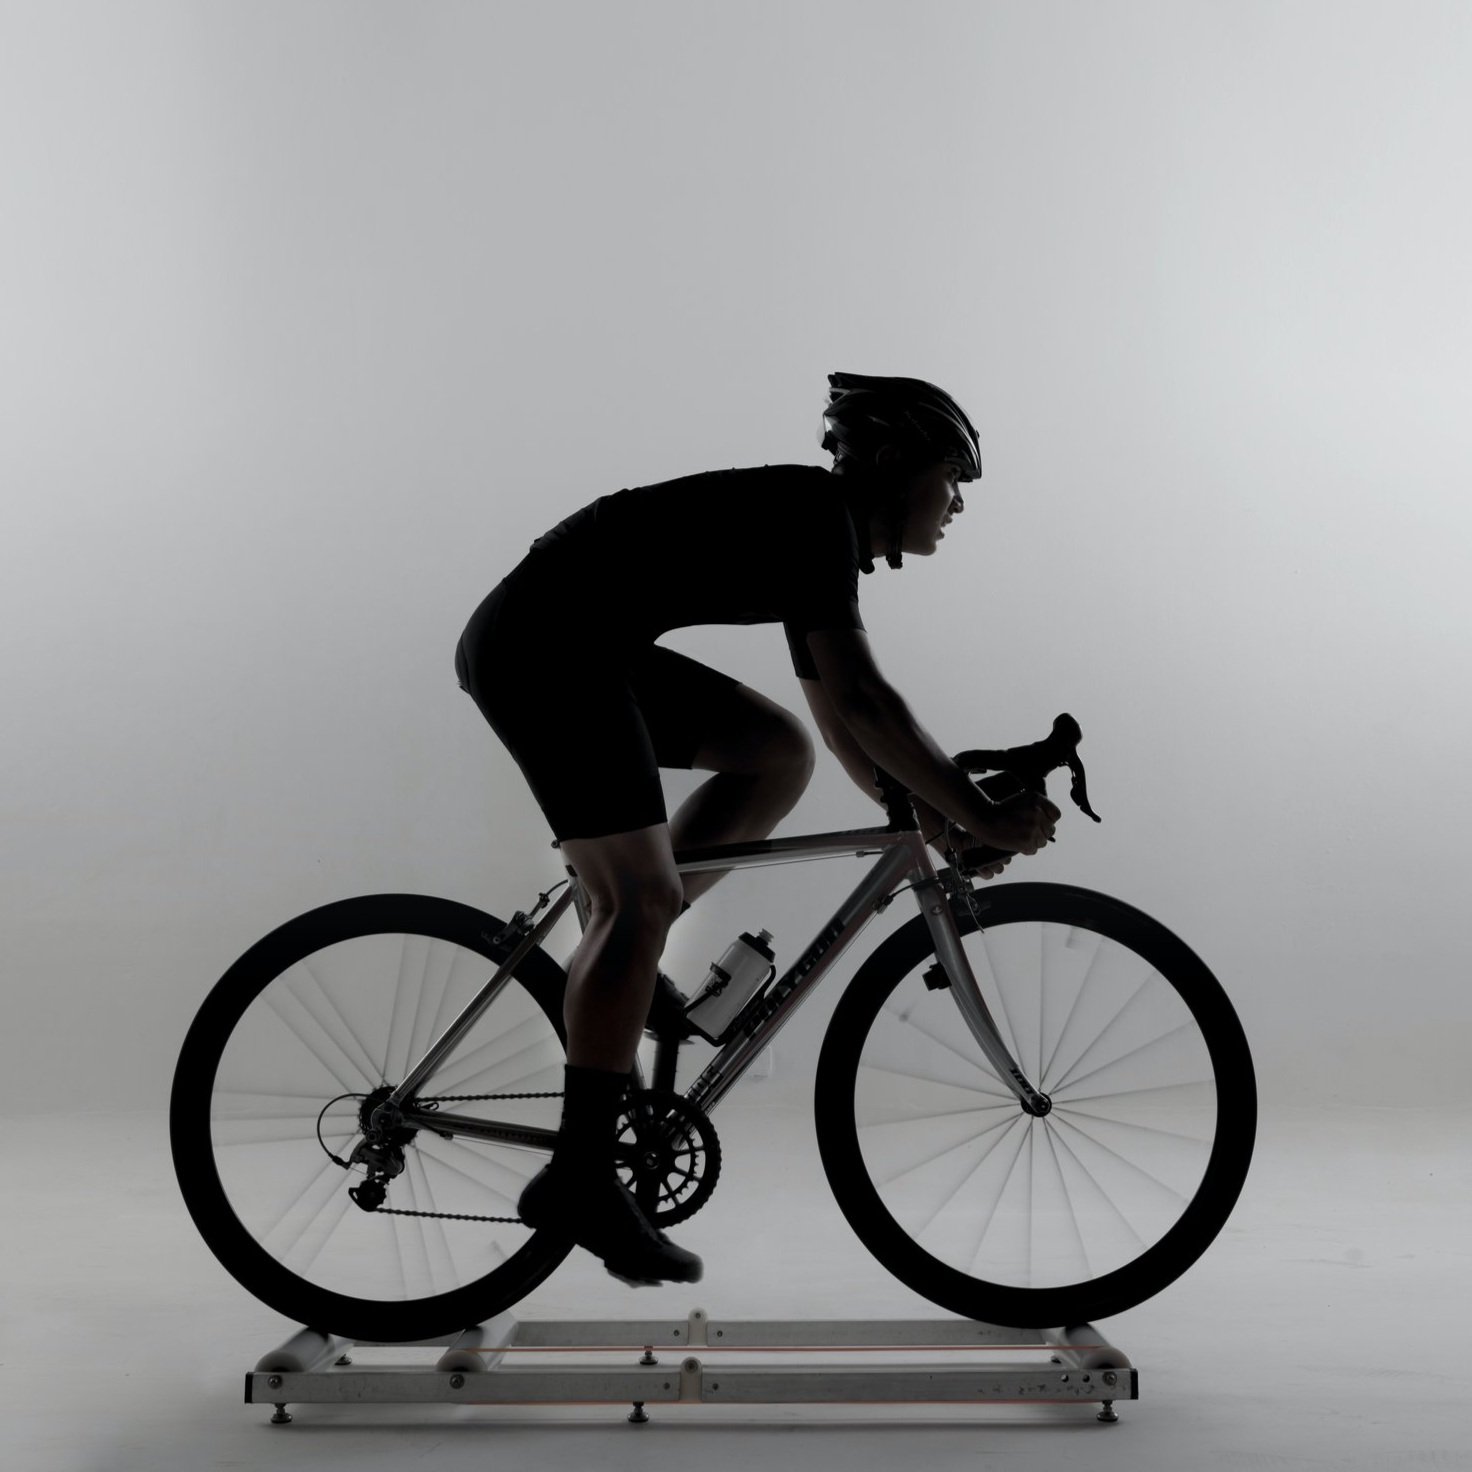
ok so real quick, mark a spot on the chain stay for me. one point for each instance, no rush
(458, 1216)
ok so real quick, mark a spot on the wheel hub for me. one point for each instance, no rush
(382, 1123)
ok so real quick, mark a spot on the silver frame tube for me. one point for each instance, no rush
(447, 1040)
(901, 854)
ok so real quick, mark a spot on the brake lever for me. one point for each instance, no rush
(1077, 790)
(1063, 741)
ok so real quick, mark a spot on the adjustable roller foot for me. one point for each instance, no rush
(638, 1416)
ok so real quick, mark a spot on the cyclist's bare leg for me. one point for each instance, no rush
(633, 891)
(634, 896)
(763, 759)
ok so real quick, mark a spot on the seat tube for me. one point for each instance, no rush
(972, 1005)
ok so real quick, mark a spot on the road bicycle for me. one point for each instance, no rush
(1035, 1105)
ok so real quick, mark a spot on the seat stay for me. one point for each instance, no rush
(444, 1045)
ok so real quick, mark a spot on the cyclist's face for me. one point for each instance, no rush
(935, 497)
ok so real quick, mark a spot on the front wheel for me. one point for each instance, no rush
(1035, 1221)
(290, 1053)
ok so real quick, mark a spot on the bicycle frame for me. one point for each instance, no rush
(902, 855)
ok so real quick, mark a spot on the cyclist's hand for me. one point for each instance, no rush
(1024, 823)
(959, 840)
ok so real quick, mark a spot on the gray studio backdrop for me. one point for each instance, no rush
(316, 314)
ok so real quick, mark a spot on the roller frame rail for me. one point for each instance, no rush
(1074, 1365)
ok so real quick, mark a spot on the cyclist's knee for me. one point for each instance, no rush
(648, 906)
(629, 876)
(789, 746)
(756, 737)
(777, 742)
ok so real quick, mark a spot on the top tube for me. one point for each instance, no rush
(855, 841)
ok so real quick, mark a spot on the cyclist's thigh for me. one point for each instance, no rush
(583, 747)
(571, 723)
(700, 718)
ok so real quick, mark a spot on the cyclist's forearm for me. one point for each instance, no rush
(856, 763)
(852, 759)
(883, 731)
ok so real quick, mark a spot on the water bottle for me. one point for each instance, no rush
(730, 984)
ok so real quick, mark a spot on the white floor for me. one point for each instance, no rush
(1324, 1329)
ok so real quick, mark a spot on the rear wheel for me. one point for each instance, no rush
(1032, 1221)
(279, 1072)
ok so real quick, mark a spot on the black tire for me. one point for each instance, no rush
(194, 1149)
(1223, 1153)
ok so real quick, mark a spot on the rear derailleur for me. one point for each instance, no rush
(381, 1150)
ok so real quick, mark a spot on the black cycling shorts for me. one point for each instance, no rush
(589, 714)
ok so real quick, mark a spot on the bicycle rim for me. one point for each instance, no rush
(1080, 1213)
(311, 1021)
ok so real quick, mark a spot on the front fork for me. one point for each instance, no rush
(934, 897)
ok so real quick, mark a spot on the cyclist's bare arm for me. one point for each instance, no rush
(855, 706)
(854, 760)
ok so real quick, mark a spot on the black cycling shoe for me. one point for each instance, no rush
(598, 1212)
(667, 1011)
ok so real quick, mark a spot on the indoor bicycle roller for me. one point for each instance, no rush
(1069, 1366)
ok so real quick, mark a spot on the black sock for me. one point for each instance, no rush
(590, 1101)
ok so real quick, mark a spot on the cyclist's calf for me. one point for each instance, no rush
(610, 981)
(634, 894)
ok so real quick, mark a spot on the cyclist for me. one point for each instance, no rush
(766, 544)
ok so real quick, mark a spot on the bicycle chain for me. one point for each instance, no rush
(457, 1216)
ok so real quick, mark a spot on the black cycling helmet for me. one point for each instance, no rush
(917, 418)
(924, 423)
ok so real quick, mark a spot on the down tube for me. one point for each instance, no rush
(800, 978)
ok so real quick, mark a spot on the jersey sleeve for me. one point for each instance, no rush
(824, 582)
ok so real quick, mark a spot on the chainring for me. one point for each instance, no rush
(667, 1154)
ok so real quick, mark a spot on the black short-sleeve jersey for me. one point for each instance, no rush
(769, 544)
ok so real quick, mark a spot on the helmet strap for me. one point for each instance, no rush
(895, 529)
(882, 499)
